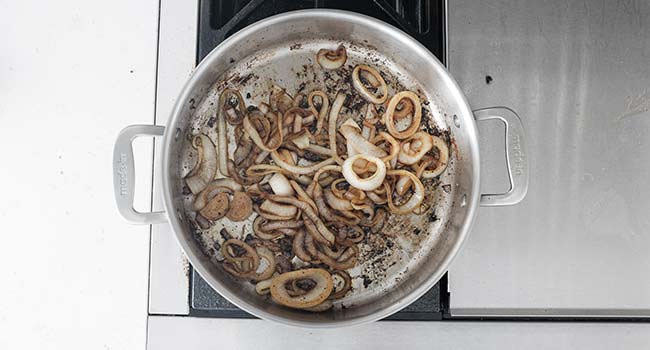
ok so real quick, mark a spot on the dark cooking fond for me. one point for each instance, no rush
(315, 177)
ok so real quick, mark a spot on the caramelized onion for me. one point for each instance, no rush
(365, 184)
(307, 210)
(376, 80)
(234, 111)
(272, 207)
(415, 120)
(319, 293)
(416, 197)
(324, 107)
(331, 129)
(443, 160)
(332, 59)
(297, 169)
(255, 136)
(345, 288)
(206, 166)
(414, 148)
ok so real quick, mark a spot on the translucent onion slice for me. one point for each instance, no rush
(366, 184)
(206, 168)
(255, 136)
(441, 165)
(278, 209)
(351, 132)
(335, 202)
(280, 185)
(415, 119)
(416, 198)
(414, 148)
(324, 107)
(373, 77)
(331, 129)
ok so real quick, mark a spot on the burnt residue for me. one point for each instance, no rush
(432, 216)
(296, 46)
(366, 281)
(211, 121)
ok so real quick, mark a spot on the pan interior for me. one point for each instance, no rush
(386, 258)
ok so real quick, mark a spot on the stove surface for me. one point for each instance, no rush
(218, 19)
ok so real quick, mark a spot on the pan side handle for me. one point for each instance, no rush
(124, 174)
(516, 157)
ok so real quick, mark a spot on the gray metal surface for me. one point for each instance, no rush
(578, 74)
(205, 298)
(172, 333)
(273, 37)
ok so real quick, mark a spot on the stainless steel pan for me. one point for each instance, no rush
(281, 50)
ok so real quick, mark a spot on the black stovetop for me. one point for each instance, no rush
(422, 19)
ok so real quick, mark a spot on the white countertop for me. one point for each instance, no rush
(72, 74)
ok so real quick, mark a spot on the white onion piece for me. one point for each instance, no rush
(415, 148)
(222, 142)
(278, 209)
(415, 119)
(335, 202)
(350, 131)
(332, 59)
(301, 141)
(264, 287)
(206, 168)
(331, 128)
(367, 184)
(402, 185)
(319, 150)
(443, 150)
(416, 198)
(376, 79)
(280, 185)
(297, 169)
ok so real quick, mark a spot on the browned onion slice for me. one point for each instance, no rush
(206, 166)
(415, 119)
(443, 159)
(332, 59)
(373, 77)
(319, 293)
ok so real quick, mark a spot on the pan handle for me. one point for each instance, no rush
(515, 156)
(124, 174)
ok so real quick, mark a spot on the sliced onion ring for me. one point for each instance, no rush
(367, 184)
(414, 148)
(315, 296)
(255, 136)
(324, 107)
(415, 120)
(416, 198)
(441, 165)
(331, 128)
(351, 132)
(361, 88)
(206, 167)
